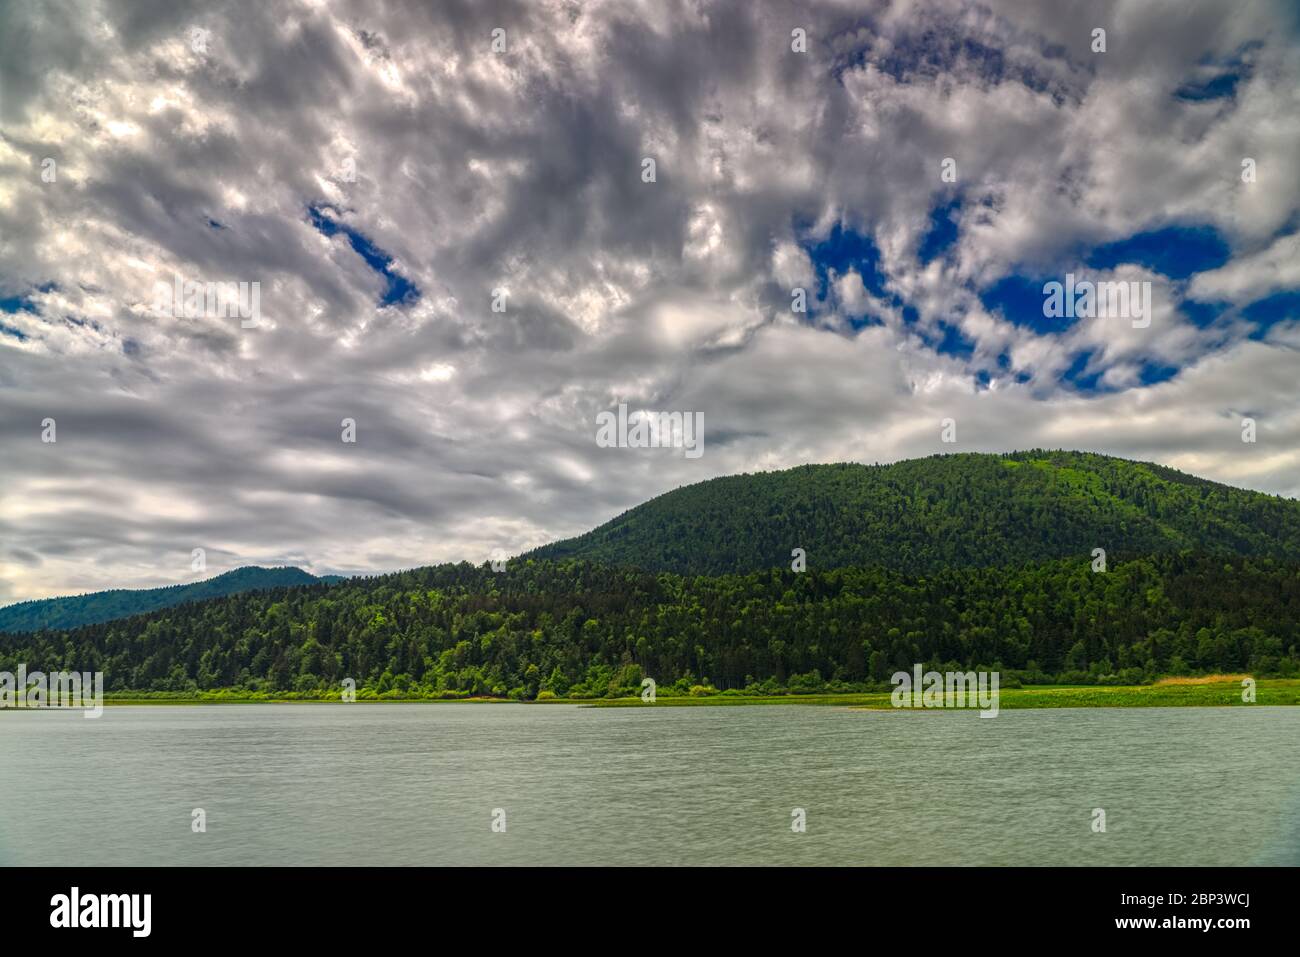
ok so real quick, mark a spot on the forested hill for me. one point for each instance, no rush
(577, 629)
(965, 510)
(971, 560)
(122, 602)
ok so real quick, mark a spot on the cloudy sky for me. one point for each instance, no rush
(380, 169)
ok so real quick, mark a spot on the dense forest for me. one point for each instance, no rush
(925, 515)
(582, 629)
(122, 602)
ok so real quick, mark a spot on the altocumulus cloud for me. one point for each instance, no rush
(386, 175)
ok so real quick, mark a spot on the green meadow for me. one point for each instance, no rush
(1268, 691)
(1171, 693)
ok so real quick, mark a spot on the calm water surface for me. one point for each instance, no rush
(417, 784)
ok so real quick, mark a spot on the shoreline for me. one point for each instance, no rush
(1268, 691)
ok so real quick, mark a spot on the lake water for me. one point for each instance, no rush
(418, 784)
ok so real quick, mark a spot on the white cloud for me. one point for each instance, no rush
(1251, 277)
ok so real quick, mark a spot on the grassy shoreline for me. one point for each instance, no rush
(1169, 694)
(1277, 691)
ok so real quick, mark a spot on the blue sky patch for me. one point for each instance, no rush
(17, 304)
(1202, 314)
(1076, 376)
(942, 234)
(1176, 251)
(400, 289)
(1269, 311)
(846, 249)
(954, 342)
(1223, 84)
(1220, 87)
(1152, 373)
(1020, 301)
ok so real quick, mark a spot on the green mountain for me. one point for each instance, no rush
(964, 561)
(966, 510)
(122, 602)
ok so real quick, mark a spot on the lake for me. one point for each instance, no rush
(419, 784)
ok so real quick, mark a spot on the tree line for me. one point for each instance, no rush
(580, 629)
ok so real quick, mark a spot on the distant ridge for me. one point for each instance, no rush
(100, 606)
(946, 511)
